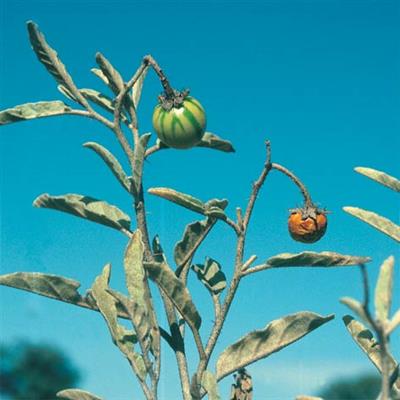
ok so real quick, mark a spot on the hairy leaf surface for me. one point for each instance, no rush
(27, 111)
(211, 275)
(261, 343)
(176, 291)
(209, 383)
(111, 162)
(377, 221)
(76, 394)
(87, 208)
(383, 290)
(380, 177)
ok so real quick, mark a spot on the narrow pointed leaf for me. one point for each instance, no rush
(377, 221)
(138, 159)
(380, 177)
(209, 383)
(121, 336)
(27, 111)
(356, 307)
(194, 234)
(176, 291)
(99, 73)
(49, 58)
(87, 208)
(179, 198)
(211, 275)
(215, 142)
(383, 290)
(111, 162)
(365, 340)
(262, 343)
(138, 86)
(76, 394)
(312, 259)
(393, 323)
(63, 90)
(115, 81)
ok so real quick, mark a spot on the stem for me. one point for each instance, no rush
(296, 180)
(220, 319)
(379, 329)
(164, 81)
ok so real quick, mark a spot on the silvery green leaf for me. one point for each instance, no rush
(49, 58)
(111, 162)
(115, 81)
(27, 111)
(262, 343)
(53, 286)
(176, 291)
(377, 221)
(211, 275)
(194, 234)
(179, 198)
(99, 73)
(63, 90)
(383, 290)
(138, 86)
(366, 341)
(380, 177)
(76, 394)
(209, 383)
(356, 307)
(121, 336)
(138, 159)
(312, 259)
(215, 142)
(87, 208)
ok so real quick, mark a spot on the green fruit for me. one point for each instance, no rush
(180, 127)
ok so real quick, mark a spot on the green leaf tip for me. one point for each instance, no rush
(381, 177)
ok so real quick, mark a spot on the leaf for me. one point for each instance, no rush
(305, 397)
(194, 234)
(115, 81)
(211, 275)
(99, 73)
(365, 340)
(383, 290)
(76, 394)
(378, 222)
(177, 292)
(138, 86)
(101, 100)
(120, 335)
(215, 142)
(262, 343)
(380, 177)
(49, 58)
(179, 198)
(111, 162)
(393, 323)
(136, 282)
(138, 159)
(356, 307)
(209, 383)
(312, 259)
(87, 208)
(53, 286)
(27, 111)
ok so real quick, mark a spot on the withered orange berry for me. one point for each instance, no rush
(307, 224)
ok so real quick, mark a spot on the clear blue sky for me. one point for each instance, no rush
(320, 79)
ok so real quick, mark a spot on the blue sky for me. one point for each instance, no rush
(320, 79)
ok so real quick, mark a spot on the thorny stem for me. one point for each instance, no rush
(296, 180)
(378, 327)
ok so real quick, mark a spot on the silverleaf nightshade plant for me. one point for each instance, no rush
(144, 258)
